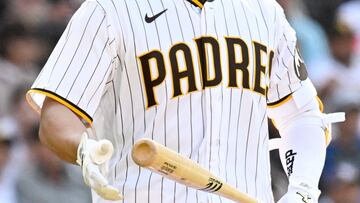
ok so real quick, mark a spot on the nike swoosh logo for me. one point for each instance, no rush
(152, 18)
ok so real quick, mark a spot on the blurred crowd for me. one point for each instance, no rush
(328, 32)
(29, 172)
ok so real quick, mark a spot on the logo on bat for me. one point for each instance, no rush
(167, 168)
(212, 186)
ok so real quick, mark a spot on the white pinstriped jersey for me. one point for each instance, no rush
(194, 79)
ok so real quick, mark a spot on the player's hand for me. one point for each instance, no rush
(300, 195)
(92, 156)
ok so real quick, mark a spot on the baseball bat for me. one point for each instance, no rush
(166, 162)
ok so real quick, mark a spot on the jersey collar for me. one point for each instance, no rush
(198, 3)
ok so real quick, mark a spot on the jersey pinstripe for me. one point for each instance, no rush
(197, 80)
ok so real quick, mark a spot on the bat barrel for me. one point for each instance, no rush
(144, 152)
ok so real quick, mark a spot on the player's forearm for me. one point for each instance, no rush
(303, 142)
(305, 132)
(302, 152)
(60, 130)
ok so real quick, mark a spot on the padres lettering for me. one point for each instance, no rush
(181, 52)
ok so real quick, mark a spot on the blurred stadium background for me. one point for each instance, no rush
(329, 38)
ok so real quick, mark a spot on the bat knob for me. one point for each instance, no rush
(103, 152)
(144, 152)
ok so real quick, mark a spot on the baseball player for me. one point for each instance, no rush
(200, 77)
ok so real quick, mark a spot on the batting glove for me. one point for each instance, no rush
(92, 156)
(300, 194)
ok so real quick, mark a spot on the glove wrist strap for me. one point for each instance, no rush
(81, 149)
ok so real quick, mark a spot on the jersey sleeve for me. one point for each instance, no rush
(289, 75)
(80, 65)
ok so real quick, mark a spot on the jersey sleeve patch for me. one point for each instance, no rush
(36, 97)
(299, 66)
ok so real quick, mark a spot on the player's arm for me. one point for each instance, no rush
(296, 111)
(69, 90)
(305, 133)
(60, 130)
